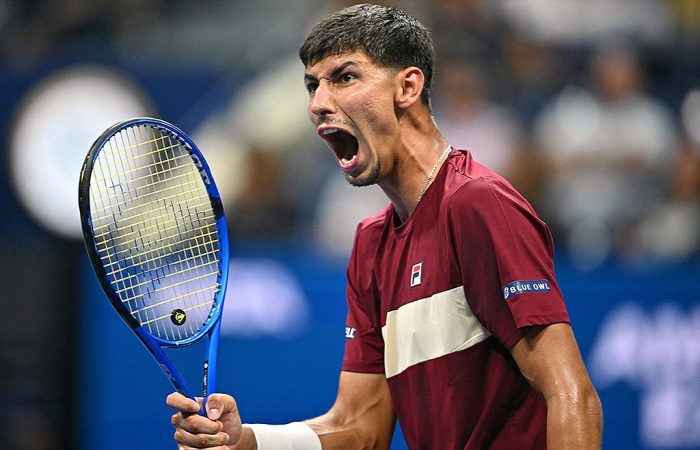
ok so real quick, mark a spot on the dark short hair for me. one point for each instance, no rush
(387, 35)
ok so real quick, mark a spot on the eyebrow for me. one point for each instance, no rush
(334, 74)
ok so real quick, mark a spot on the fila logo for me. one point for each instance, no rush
(416, 273)
(350, 332)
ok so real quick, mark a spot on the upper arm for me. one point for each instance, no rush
(550, 360)
(362, 415)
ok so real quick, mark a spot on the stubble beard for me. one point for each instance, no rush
(370, 180)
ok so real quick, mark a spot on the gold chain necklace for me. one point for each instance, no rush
(432, 172)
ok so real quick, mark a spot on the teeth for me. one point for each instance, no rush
(347, 161)
(330, 131)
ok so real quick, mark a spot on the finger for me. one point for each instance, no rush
(184, 447)
(186, 439)
(222, 447)
(182, 403)
(195, 424)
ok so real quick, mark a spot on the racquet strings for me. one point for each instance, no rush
(155, 231)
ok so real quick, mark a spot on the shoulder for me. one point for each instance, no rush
(370, 231)
(374, 224)
(375, 221)
(470, 186)
(369, 236)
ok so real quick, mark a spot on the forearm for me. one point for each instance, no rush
(340, 437)
(336, 432)
(574, 421)
(361, 418)
(332, 434)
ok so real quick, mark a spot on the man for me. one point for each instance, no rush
(456, 325)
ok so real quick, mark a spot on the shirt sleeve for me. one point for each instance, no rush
(505, 253)
(364, 345)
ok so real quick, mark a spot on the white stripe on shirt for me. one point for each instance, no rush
(429, 328)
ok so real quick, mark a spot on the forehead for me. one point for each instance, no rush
(332, 61)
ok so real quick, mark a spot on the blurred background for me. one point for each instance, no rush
(590, 107)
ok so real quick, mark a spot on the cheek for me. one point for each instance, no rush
(373, 107)
(380, 115)
(312, 117)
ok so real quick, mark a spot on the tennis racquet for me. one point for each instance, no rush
(155, 231)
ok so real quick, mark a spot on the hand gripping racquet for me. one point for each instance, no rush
(155, 231)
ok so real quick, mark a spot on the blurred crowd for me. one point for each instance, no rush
(590, 107)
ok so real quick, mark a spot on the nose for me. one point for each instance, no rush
(321, 102)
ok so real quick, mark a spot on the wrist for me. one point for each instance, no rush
(247, 440)
(291, 436)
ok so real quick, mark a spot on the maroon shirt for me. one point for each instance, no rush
(437, 302)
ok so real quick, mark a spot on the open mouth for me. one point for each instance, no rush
(344, 144)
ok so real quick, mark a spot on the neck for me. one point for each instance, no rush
(420, 149)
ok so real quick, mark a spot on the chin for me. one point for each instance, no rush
(365, 181)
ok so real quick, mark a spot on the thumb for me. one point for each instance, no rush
(218, 405)
(223, 408)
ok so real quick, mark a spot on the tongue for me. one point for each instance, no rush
(350, 148)
(345, 146)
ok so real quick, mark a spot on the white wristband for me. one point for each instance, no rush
(292, 436)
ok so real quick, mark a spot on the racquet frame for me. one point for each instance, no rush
(155, 344)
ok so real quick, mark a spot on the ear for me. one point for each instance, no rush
(410, 85)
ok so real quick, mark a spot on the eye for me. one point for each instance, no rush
(347, 77)
(311, 87)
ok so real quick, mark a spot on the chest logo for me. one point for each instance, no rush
(416, 274)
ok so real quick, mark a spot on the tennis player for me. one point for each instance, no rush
(456, 325)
